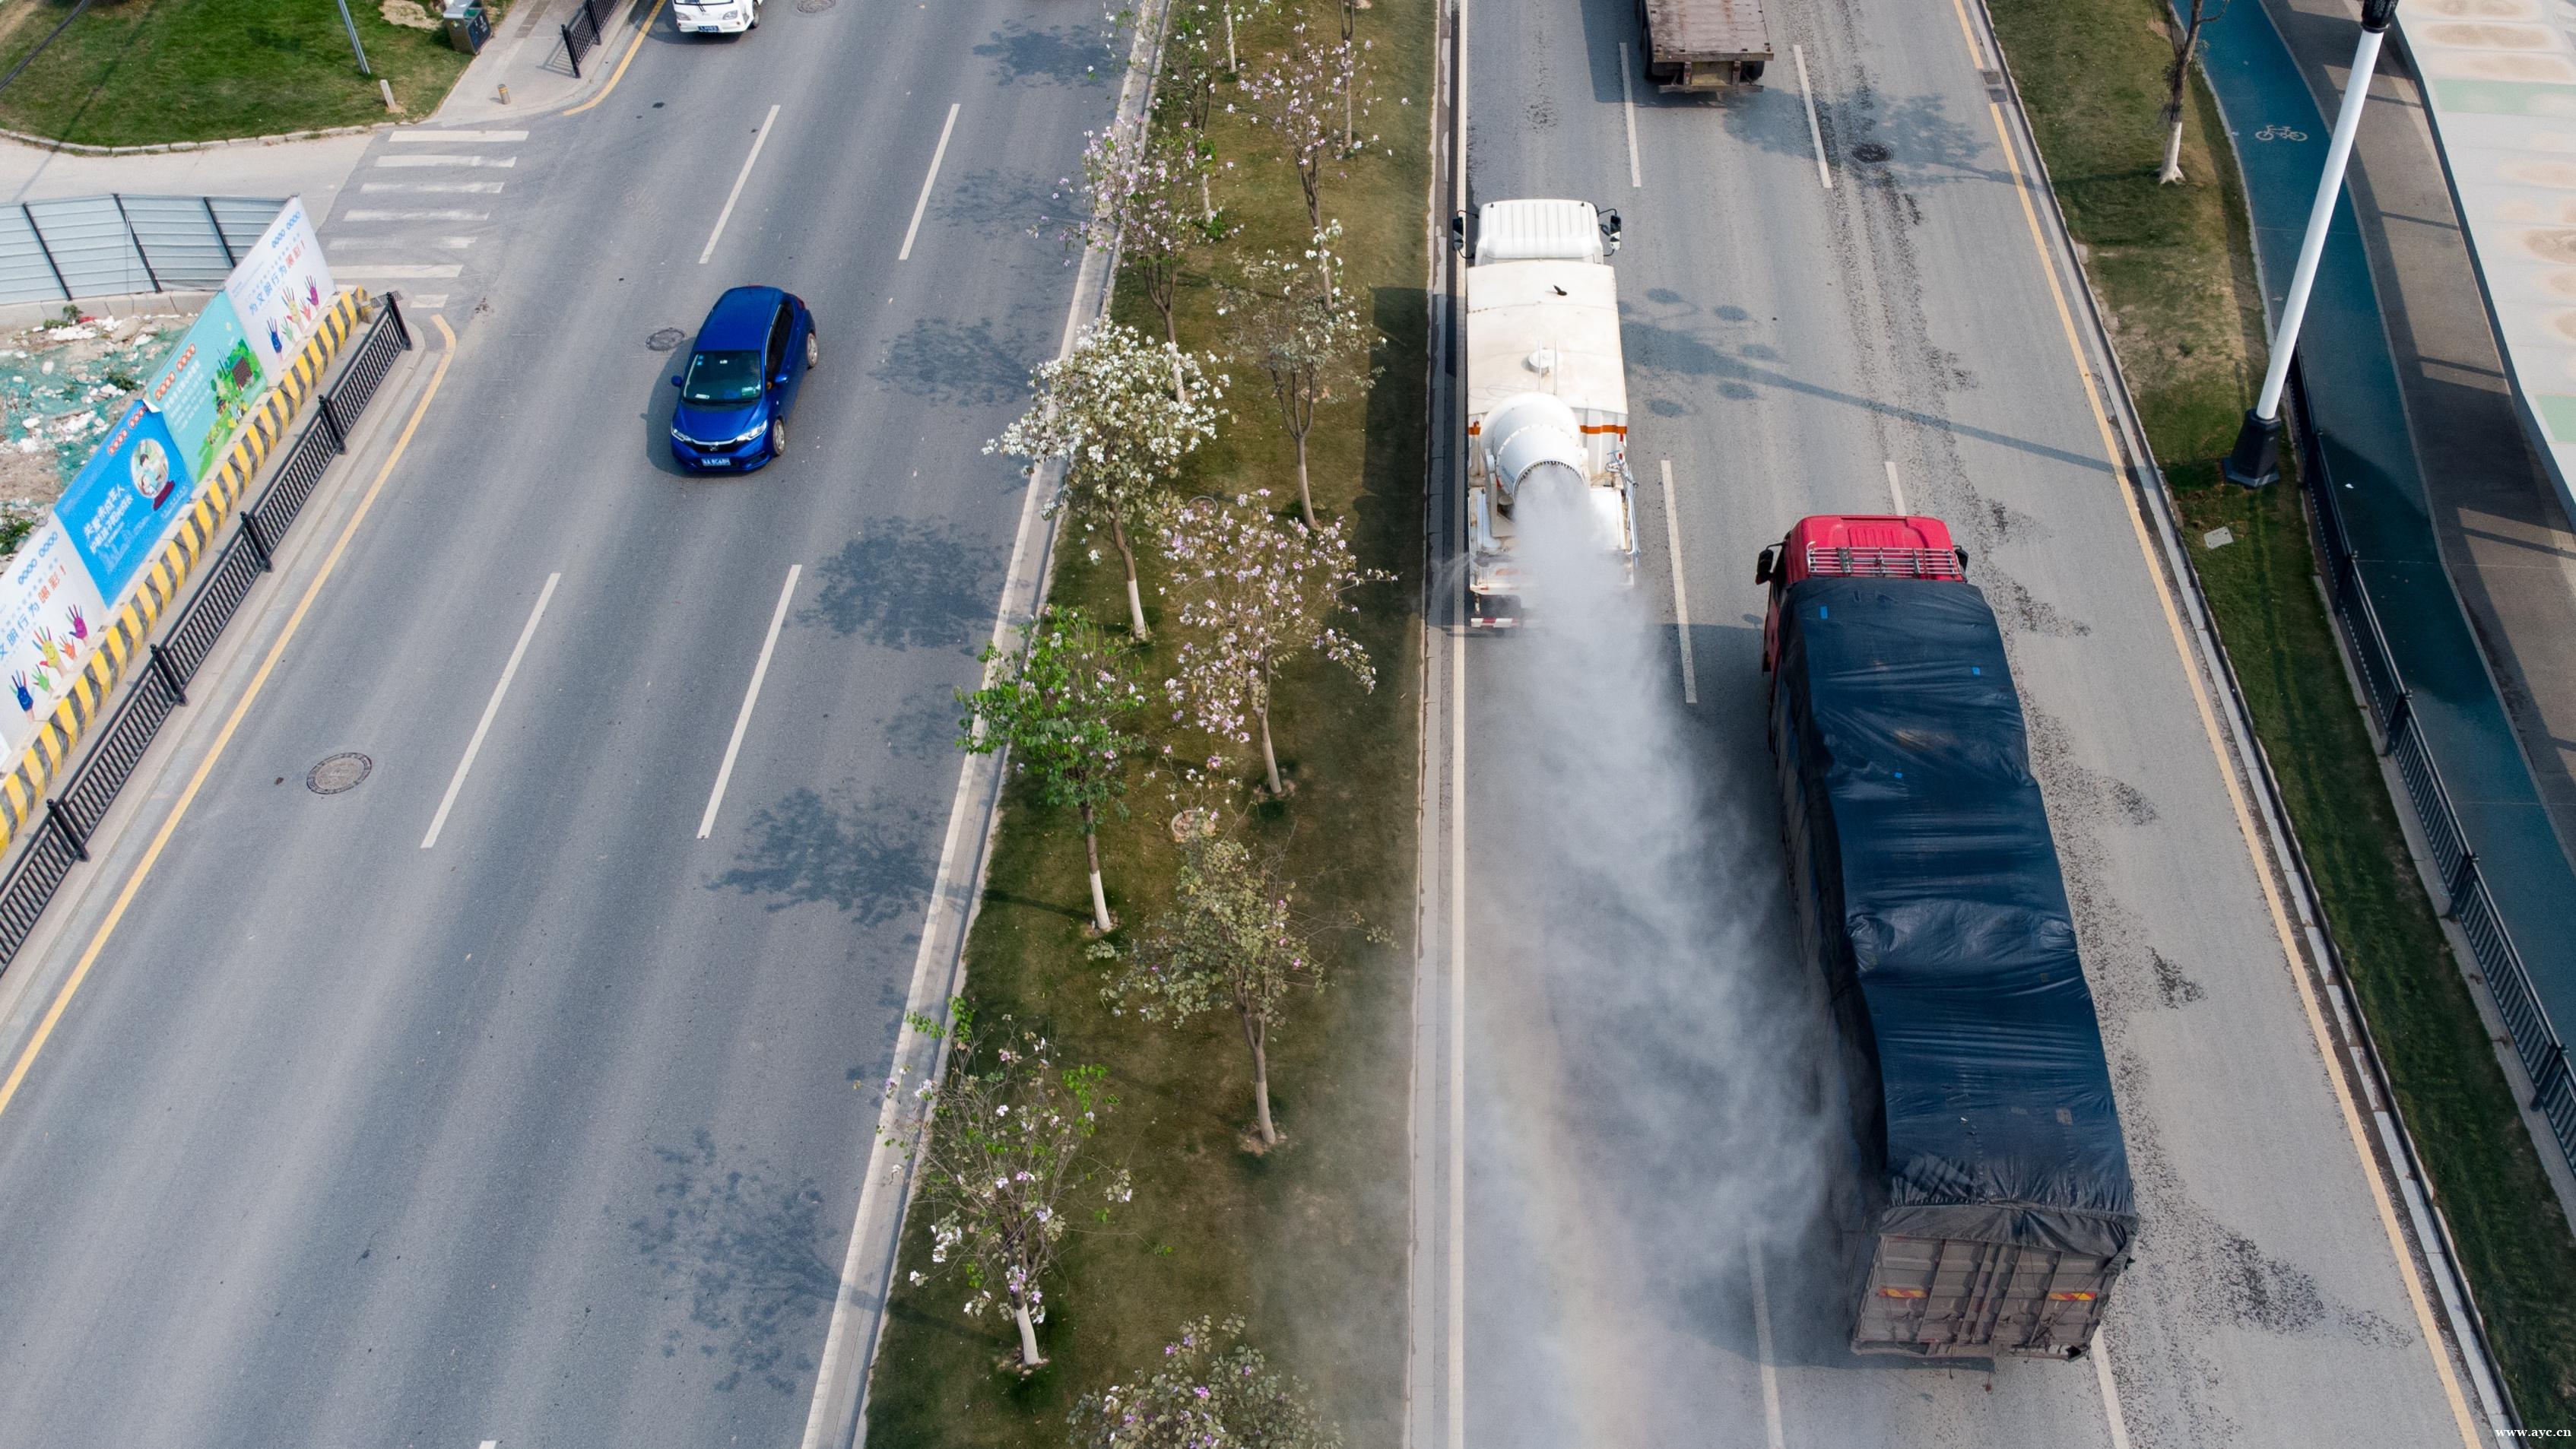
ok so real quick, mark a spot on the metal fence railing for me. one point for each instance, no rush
(106, 246)
(74, 814)
(581, 33)
(2535, 1038)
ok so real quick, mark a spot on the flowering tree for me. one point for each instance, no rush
(1230, 941)
(1107, 410)
(1000, 1148)
(1292, 318)
(1259, 592)
(1061, 712)
(1211, 1390)
(1138, 194)
(1350, 62)
(1293, 93)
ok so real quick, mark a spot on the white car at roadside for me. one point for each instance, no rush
(715, 17)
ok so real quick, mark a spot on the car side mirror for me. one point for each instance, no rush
(675, 382)
(1767, 565)
(1962, 555)
(1610, 229)
(1457, 231)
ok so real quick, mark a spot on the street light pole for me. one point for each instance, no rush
(362, 50)
(2256, 460)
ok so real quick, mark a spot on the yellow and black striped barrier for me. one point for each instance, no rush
(22, 790)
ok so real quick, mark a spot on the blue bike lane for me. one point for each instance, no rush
(2358, 409)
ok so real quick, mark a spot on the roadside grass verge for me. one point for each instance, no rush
(1308, 1241)
(2173, 267)
(143, 72)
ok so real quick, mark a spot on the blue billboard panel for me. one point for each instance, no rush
(120, 507)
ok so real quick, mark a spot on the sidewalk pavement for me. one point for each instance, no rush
(525, 56)
(2422, 446)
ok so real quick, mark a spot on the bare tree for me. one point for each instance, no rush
(1292, 318)
(2186, 51)
(1001, 1152)
(1108, 409)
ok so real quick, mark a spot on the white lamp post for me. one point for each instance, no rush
(2256, 460)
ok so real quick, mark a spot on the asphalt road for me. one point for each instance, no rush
(1649, 1132)
(547, 1134)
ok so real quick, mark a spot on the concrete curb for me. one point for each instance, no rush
(14, 315)
(167, 147)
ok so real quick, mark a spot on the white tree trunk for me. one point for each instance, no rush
(1230, 66)
(1305, 498)
(1270, 757)
(1029, 1357)
(1136, 609)
(1099, 897)
(2172, 171)
(1261, 1086)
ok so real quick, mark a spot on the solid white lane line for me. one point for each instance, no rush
(478, 188)
(491, 708)
(2110, 1388)
(767, 124)
(1458, 989)
(1777, 1435)
(491, 1444)
(447, 160)
(750, 697)
(1895, 489)
(398, 271)
(363, 213)
(922, 203)
(1815, 133)
(413, 138)
(1681, 591)
(1628, 103)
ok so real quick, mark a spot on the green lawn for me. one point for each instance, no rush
(1307, 1242)
(2173, 265)
(141, 72)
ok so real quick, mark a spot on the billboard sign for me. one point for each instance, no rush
(120, 507)
(206, 389)
(51, 616)
(281, 288)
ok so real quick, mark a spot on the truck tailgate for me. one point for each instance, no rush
(1707, 29)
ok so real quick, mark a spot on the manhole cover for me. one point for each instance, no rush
(814, 7)
(1870, 152)
(666, 339)
(338, 773)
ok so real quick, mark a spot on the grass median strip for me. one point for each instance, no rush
(2172, 265)
(1306, 1241)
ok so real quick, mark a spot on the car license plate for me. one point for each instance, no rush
(717, 462)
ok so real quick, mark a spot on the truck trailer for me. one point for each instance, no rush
(1547, 391)
(1996, 1212)
(1703, 45)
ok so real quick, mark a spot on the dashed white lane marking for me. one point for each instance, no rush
(2110, 1388)
(1681, 591)
(368, 213)
(750, 697)
(1895, 489)
(441, 138)
(1628, 104)
(1815, 133)
(428, 303)
(768, 124)
(444, 159)
(1777, 1435)
(923, 203)
(491, 708)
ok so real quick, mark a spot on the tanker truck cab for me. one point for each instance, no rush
(1547, 395)
(1853, 545)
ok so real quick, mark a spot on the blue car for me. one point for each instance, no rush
(742, 377)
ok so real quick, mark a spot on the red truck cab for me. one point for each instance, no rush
(1854, 545)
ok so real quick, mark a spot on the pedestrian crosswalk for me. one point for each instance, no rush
(421, 208)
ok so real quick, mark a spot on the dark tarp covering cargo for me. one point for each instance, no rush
(1929, 889)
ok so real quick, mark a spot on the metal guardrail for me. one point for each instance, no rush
(581, 34)
(2535, 1038)
(72, 816)
(106, 246)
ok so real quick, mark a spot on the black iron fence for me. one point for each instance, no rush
(2392, 706)
(581, 34)
(159, 686)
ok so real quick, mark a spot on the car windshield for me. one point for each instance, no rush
(722, 377)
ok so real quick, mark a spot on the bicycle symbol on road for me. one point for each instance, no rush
(2279, 133)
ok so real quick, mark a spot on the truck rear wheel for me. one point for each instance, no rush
(1749, 71)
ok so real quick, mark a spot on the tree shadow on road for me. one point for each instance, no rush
(907, 585)
(748, 1244)
(959, 364)
(1061, 54)
(868, 859)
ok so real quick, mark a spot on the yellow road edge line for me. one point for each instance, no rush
(619, 74)
(134, 882)
(2245, 826)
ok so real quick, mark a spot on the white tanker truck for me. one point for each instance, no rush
(1547, 394)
